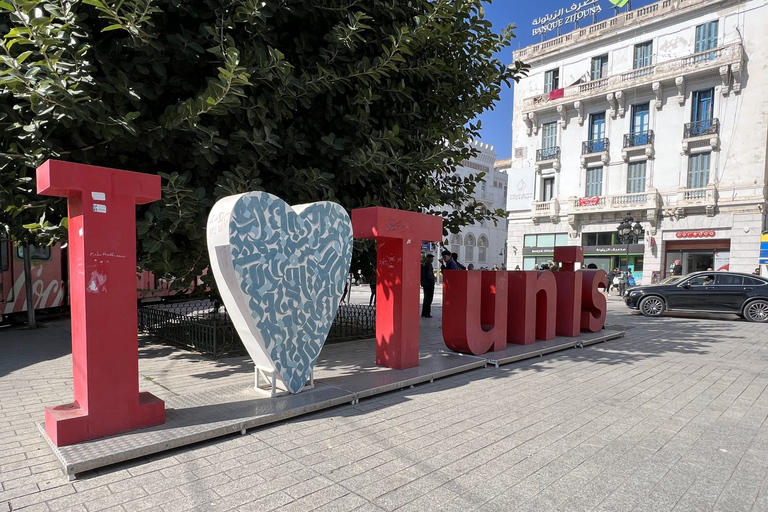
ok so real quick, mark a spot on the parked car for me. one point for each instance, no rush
(745, 295)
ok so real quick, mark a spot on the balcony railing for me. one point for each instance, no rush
(709, 59)
(547, 153)
(648, 199)
(594, 146)
(704, 127)
(638, 139)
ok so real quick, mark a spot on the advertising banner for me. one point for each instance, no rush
(722, 260)
(520, 190)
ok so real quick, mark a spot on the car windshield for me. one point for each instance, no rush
(670, 279)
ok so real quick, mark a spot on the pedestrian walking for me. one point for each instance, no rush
(677, 268)
(428, 283)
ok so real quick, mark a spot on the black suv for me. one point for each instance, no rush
(710, 292)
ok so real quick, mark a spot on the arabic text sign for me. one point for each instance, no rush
(520, 190)
(566, 16)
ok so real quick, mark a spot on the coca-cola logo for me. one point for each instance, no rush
(694, 234)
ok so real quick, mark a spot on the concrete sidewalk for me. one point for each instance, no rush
(673, 416)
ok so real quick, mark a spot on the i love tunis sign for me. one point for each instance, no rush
(281, 270)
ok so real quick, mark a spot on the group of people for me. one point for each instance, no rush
(621, 281)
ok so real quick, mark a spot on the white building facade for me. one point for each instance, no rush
(655, 113)
(483, 244)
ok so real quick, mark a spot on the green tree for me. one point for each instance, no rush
(363, 102)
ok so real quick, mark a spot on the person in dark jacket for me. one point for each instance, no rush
(455, 258)
(428, 283)
(448, 263)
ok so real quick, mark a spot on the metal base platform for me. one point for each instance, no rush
(515, 353)
(201, 416)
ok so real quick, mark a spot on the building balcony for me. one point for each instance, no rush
(595, 150)
(695, 200)
(586, 209)
(701, 134)
(548, 157)
(637, 143)
(650, 199)
(727, 61)
(544, 209)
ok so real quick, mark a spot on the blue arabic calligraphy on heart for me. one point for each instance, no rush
(281, 273)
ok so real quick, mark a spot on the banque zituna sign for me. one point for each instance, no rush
(280, 270)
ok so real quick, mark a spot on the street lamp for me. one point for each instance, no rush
(629, 234)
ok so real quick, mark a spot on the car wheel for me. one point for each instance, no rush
(756, 311)
(652, 306)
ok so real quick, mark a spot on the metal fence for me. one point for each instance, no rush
(205, 326)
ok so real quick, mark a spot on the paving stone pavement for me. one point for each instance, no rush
(670, 417)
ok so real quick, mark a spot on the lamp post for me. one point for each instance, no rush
(628, 234)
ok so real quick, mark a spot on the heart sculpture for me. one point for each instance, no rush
(281, 273)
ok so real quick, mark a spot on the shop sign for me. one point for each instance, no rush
(520, 190)
(538, 251)
(695, 234)
(614, 249)
(565, 16)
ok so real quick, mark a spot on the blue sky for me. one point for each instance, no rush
(497, 124)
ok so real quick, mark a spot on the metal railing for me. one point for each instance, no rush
(594, 146)
(205, 326)
(200, 325)
(638, 139)
(703, 127)
(547, 153)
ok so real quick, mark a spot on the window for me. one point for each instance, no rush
(729, 280)
(706, 39)
(640, 118)
(597, 126)
(455, 243)
(482, 249)
(548, 141)
(701, 112)
(546, 240)
(551, 80)
(594, 181)
(698, 171)
(469, 247)
(643, 55)
(4, 263)
(636, 178)
(604, 238)
(547, 189)
(599, 67)
(751, 281)
(549, 135)
(35, 253)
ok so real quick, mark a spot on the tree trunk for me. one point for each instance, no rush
(31, 324)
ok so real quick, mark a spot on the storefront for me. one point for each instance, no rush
(697, 250)
(540, 248)
(609, 257)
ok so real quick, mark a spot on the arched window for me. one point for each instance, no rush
(455, 243)
(482, 249)
(469, 247)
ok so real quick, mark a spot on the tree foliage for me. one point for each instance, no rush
(363, 102)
